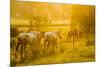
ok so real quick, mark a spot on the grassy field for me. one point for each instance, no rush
(65, 53)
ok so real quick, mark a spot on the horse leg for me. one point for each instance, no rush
(45, 46)
(53, 44)
(68, 39)
(21, 58)
(48, 46)
(16, 50)
(56, 46)
(24, 51)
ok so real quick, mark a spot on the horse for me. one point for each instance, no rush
(31, 38)
(74, 34)
(51, 39)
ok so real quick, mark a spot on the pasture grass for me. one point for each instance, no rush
(68, 54)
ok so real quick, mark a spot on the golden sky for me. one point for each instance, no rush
(56, 12)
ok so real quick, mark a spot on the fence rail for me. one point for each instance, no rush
(45, 25)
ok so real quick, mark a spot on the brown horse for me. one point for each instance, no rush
(74, 33)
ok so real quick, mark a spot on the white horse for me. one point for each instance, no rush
(32, 38)
(51, 39)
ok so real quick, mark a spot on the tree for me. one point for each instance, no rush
(36, 21)
(88, 23)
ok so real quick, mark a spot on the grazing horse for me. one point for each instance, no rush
(51, 39)
(75, 33)
(24, 39)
